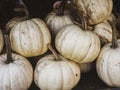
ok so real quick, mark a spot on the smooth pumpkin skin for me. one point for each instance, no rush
(51, 74)
(17, 75)
(108, 65)
(56, 22)
(30, 38)
(96, 10)
(77, 45)
(1, 41)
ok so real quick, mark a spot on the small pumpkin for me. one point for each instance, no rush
(104, 31)
(78, 45)
(108, 62)
(30, 38)
(1, 41)
(56, 73)
(16, 72)
(96, 10)
(58, 18)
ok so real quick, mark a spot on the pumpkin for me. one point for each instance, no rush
(1, 41)
(16, 72)
(96, 10)
(78, 45)
(104, 31)
(108, 62)
(30, 38)
(53, 73)
(58, 18)
(56, 22)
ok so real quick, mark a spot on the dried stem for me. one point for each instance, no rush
(24, 10)
(79, 16)
(54, 52)
(114, 36)
(8, 50)
(61, 8)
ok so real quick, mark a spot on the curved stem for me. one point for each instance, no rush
(54, 52)
(114, 36)
(21, 3)
(24, 10)
(8, 49)
(79, 16)
(61, 8)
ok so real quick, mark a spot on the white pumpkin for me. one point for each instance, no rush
(30, 38)
(96, 10)
(78, 45)
(1, 41)
(104, 31)
(108, 65)
(51, 74)
(17, 75)
(55, 22)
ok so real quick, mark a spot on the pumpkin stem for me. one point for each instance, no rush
(8, 49)
(114, 36)
(53, 51)
(61, 8)
(24, 10)
(79, 17)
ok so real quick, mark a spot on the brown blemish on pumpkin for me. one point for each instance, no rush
(23, 32)
(76, 75)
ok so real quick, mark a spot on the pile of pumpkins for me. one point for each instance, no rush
(77, 32)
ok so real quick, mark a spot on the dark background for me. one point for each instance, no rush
(40, 8)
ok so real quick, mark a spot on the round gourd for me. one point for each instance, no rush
(96, 10)
(78, 45)
(108, 63)
(30, 38)
(104, 31)
(51, 74)
(17, 75)
(1, 41)
(56, 22)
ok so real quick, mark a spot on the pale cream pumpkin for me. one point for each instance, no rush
(56, 22)
(1, 41)
(78, 45)
(104, 31)
(30, 38)
(108, 65)
(51, 74)
(16, 75)
(96, 10)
